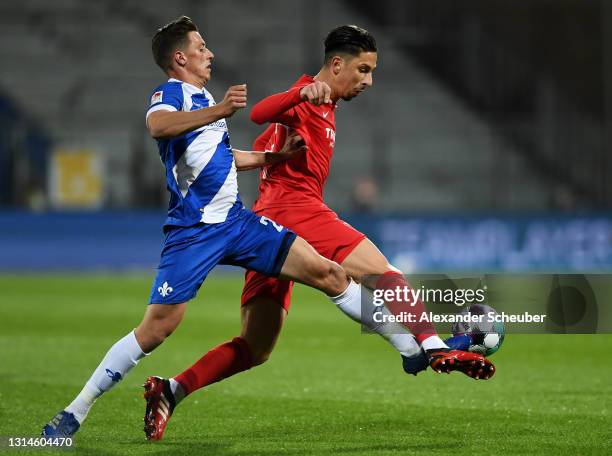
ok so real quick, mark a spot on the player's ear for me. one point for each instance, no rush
(336, 64)
(179, 58)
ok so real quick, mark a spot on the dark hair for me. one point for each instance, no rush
(348, 39)
(169, 38)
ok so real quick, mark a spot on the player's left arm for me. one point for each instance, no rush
(246, 160)
(280, 107)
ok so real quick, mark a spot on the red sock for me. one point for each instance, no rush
(221, 362)
(421, 330)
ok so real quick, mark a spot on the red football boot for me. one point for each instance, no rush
(160, 405)
(471, 364)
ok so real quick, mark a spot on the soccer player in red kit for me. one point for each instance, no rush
(291, 193)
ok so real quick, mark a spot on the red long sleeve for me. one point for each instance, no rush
(272, 108)
(260, 143)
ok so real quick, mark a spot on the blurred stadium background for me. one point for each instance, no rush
(484, 143)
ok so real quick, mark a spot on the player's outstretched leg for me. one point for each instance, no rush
(370, 267)
(307, 266)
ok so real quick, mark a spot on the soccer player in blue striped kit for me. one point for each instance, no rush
(207, 223)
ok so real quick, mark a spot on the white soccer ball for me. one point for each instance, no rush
(487, 336)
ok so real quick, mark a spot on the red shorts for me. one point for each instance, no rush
(320, 227)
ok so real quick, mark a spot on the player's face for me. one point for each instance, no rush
(198, 58)
(356, 75)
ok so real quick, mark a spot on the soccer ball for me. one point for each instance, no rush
(486, 336)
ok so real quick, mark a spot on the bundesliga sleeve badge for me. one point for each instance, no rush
(157, 97)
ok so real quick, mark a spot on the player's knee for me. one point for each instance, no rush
(156, 337)
(260, 351)
(260, 356)
(153, 335)
(334, 279)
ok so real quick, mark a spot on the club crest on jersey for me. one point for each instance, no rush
(157, 97)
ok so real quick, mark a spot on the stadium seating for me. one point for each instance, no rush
(424, 148)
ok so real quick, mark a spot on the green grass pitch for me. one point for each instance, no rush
(326, 390)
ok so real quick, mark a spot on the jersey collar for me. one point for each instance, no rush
(186, 83)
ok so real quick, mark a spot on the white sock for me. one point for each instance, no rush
(433, 342)
(119, 360)
(81, 404)
(349, 302)
(177, 391)
(403, 341)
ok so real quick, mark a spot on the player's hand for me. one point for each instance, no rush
(316, 92)
(294, 145)
(235, 99)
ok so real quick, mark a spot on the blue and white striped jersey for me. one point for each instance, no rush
(200, 168)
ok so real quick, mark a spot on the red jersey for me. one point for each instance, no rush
(300, 180)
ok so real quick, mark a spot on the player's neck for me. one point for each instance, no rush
(185, 77)
(324, 75)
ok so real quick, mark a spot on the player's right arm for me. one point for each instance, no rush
(168, 123)
(279, 107)
(293, 144)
